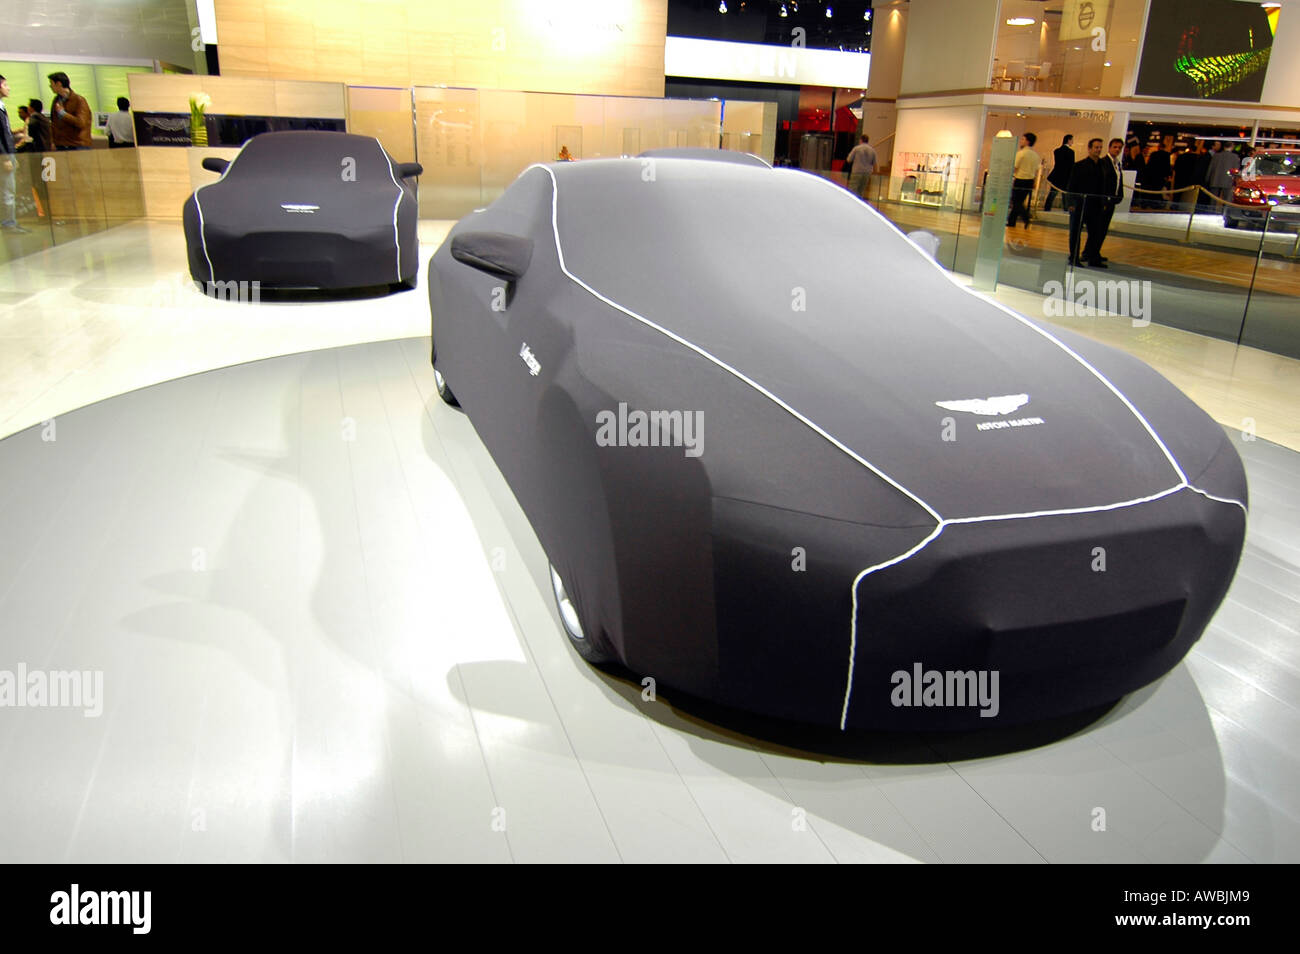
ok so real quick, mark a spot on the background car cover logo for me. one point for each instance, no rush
(1003, 404)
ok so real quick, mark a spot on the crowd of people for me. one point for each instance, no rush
(67, 127)
(1169, 176)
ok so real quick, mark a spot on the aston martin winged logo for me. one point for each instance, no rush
(989, 406)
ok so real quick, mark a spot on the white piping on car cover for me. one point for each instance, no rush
(397, 238)
(203, 235)
(941, 522)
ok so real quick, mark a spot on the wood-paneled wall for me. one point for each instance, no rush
(611, 47)
(237, 95)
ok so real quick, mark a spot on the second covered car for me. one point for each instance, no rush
(305, 210)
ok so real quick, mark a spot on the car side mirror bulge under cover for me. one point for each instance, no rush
(497, 253)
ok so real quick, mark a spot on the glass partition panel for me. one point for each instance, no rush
(1272, 319)
(447, 133)
(745, 128)
(633, 125)
(949, 223)
(1056, 48)
(385, 113)
(61, 196)
(474, 143)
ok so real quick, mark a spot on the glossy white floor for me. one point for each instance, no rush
(325, 633)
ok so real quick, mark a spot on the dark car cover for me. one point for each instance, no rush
(305, 209)
(894, 475)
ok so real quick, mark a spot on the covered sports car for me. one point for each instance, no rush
(305, 210)
(779, 459)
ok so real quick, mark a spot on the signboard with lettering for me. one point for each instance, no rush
(1080, 17)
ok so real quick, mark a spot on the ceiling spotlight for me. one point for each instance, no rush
(722, 6)
(784, 11)
(1020, 21)
(830, 12)
(866, 14)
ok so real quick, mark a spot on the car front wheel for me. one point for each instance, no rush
(591, 646)
(444, 392)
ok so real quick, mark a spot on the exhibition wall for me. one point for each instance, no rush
(611, 47)
(948, 47)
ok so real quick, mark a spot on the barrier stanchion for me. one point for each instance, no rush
(1259, 254)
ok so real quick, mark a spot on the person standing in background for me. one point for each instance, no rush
(1090, 191)
(1201, 172)
(1027, 165)
(38, 129)
(861, 162)
(1062, 164)
(1223, 163)
(8, 165)
(1185, 176)
(1155, 176)
(1114, 151)
(121, 131)
(20, 131)
(69, 115)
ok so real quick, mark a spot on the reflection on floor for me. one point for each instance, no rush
(117, 311)
(1251, 391)
(326, 633)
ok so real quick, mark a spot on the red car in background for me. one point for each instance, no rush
(1274, 182)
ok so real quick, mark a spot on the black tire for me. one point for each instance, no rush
(444, 392)
(586, 639)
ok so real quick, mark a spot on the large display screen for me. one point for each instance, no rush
(1206, 49)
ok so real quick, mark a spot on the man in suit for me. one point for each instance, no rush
(8, 165)
(1223, 163)
(1115, 185)
(1184, 177)
(69, 115)
(1092, 189)
(1201, 173)
(1062, 164)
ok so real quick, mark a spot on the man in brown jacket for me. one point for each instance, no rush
(69, 115)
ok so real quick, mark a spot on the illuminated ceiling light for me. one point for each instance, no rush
(1107, 63)
(830, 12)
(722, 6)
(866, 14)
(1021, 21)
(784, 11)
